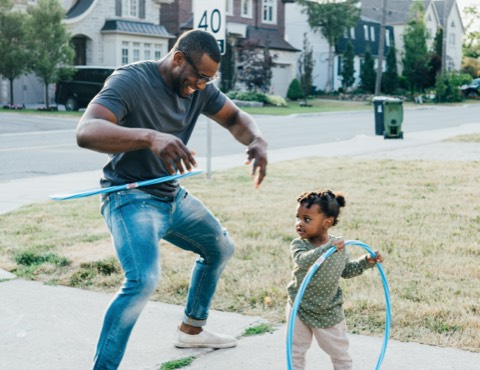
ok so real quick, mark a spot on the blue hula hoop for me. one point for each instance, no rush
(134, 185)
(303, 286)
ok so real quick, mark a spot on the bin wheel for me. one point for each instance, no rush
(385, 136)
(401, 135)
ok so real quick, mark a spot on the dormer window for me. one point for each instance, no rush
(130, 8)
(452, 24)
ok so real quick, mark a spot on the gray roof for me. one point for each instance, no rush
(138, 28)
(273, 35)
(80, 7)
(399, 10)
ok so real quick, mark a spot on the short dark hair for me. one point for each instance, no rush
(195, 43)
(328, 202)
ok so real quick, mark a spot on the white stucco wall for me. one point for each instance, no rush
(296, 25)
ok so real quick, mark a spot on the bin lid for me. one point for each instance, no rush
(386, 99)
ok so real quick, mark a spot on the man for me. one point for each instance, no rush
(143, 118)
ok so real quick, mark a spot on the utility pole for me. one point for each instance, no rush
(444, 38)
(381, 50)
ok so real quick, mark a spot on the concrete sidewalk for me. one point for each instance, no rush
(56, 328)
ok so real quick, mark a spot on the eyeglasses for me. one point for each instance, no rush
(201, 79)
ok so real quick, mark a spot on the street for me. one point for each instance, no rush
(38, 145)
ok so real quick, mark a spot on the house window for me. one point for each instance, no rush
(352, 33)
(372, 33)
(339, 65)
(229, 7)
(147, 51)
(387, 38)
(125, 52)
(130, 8)
(247, 8)
(136, 51)
(158, 51)
(452, 24)
(451, 39)
(269, 11)
(365, 32)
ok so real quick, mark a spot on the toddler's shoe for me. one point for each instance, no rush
(204, 339)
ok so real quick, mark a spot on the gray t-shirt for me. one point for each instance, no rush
(139, 97)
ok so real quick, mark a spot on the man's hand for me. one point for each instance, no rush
(172, 150)
(257, 155)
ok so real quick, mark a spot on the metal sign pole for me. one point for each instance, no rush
(209, 148)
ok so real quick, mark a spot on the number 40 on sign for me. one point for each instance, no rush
(210, 16)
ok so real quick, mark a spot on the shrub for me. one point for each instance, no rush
(447, 86)
(295, 90)
(276, 101)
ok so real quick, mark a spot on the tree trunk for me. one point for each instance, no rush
(46, 95)
(11, 91)
(329, 85)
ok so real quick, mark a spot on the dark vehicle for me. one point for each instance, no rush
(86, 82)
(473, 89)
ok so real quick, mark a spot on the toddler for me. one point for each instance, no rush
(320, 313)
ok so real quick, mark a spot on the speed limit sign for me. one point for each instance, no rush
(209, 16)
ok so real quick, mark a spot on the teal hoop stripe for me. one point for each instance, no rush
(303, 286)
(111, 189)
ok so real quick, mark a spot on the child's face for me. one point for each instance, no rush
(311, 224)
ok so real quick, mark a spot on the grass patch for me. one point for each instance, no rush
(471, 138)
(422, 215)
(258, 329)
(316, 106)
(177, 364)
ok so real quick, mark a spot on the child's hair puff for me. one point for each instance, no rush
(328, 202)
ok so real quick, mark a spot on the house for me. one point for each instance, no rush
(366, 34)
(116, 32)
(260, 21)
(438, 14)
(104, 33)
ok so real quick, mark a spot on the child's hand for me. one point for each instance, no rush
(372, 260)
(338, 243)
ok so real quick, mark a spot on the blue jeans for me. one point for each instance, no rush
(137, 222)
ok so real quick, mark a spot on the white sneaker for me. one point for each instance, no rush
(204, 339)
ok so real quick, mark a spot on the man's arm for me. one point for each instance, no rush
(98, 130)
(243, 128)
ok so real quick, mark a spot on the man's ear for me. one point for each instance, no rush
(178, 58)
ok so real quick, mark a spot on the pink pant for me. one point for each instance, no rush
(332, 340)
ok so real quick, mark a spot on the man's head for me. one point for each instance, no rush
(196, 57)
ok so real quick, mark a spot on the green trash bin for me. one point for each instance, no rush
(393, 118)
(378, 108)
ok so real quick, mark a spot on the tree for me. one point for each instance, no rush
(305, 68)
(332, 20)
(253, 66)
(436, 58)
(49, 42)
(348, 69)
(471, 43)
(267, 62)
(416, 60)
(14, 56)
(367, 72)
(227, 69)
(390, 77)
